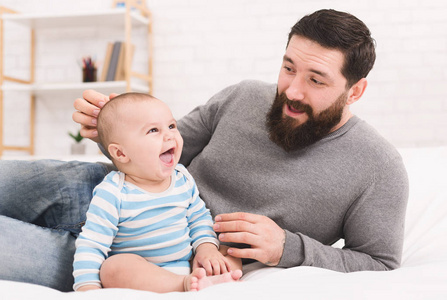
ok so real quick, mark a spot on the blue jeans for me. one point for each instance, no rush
(42, 209)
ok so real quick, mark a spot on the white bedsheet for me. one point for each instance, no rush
(423, 274)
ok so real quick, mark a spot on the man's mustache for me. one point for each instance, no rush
(296, 104)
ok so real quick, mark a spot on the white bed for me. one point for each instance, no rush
(423, 274)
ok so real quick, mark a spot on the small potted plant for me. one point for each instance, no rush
(77, 147)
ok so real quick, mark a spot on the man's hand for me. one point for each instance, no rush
(208, 257)
(87, 110)
(264, 236)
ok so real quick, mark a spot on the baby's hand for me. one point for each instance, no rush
(208, 257)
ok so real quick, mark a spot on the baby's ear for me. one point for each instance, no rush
(117, 153)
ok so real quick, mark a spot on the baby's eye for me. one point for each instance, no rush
(172, 126)
(152, 130)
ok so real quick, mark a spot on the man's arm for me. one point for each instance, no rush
(373, 230)
(195, 133)
(196, 129)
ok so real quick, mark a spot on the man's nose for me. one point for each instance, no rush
(296, 89)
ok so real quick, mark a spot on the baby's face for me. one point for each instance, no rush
(150, 138)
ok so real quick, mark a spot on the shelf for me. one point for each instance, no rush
(117, 18)
(46, 88)
(112, 17)
(85, 158)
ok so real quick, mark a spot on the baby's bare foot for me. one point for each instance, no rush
(207, 281)
(191, 282)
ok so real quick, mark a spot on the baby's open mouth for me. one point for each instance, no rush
(168, 156)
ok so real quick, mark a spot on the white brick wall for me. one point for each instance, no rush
(202, 46)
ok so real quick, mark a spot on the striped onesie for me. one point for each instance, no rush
(163, 228)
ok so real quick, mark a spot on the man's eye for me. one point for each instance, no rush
(288, 69)
(317, 82)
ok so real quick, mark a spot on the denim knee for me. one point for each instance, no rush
(48, 193)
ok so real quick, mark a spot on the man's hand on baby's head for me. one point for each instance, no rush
(87, 111)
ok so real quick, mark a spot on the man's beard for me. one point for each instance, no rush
(284, 132)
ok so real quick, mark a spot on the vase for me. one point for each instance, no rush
(77, 149)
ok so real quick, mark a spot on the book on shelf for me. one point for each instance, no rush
(105, 66)
(120, 73)
(114, 62)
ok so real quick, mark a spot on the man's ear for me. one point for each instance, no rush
(117, 152)
(356, 91)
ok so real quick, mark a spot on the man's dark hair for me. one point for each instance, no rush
(344, 32)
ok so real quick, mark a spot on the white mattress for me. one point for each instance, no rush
(423, 274)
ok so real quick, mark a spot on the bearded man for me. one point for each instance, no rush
(286, 169)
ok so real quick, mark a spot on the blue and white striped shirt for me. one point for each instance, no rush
(161, 227)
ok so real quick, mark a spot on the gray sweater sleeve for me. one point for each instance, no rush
(197, 127)
(373, 229)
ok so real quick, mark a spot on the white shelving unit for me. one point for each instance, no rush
(111, 17)
(134, 14)
(40, 89)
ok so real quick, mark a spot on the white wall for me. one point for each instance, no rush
(202, 46)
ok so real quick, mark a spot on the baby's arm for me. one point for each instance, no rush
(208, 257)
(93, 244)
(204, 240)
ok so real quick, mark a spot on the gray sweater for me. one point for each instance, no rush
(352, 184)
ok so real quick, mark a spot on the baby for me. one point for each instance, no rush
(147, 220)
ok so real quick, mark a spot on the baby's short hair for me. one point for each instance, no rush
(109, 116)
